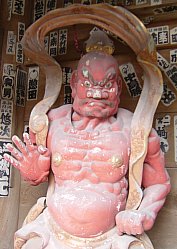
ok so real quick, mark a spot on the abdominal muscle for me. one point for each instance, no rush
(85, 209)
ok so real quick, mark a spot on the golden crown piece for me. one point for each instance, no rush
(99, 41)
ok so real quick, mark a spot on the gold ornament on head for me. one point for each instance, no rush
(99, 41)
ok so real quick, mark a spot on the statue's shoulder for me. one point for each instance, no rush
(59, 112)
(125, 115)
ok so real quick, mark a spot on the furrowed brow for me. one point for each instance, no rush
(109, 75)
(86, 74)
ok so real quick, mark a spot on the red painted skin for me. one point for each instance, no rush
(89, 147)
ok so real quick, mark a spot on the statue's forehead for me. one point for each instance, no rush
(94, 63)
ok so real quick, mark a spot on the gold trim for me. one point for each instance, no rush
(105, 49)
(116, 161)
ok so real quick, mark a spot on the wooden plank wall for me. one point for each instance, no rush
(9, 206)
(14, 208)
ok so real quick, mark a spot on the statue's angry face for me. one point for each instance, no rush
(96, 86)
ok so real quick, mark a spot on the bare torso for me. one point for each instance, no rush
(89, 166)
(88, 150)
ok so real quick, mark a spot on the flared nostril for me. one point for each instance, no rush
(97, 94)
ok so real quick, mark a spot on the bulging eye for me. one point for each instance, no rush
(108, 85)
(87, 83)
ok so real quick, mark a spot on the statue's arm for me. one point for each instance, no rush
(156, 186)
(31, 160)
(156, 181)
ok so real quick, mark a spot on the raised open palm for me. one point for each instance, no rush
(33, 161)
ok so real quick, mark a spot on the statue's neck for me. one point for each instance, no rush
(90, 123)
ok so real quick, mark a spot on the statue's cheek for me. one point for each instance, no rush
(113, 97)
(113, 91)
(81, 92)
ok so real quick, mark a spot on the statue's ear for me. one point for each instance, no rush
(119, 83)
(73, 82)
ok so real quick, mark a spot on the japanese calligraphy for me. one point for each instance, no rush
(147, 20)
(138, 2)
(18, 7)
(50, 5)
(171, 73)
(7, 87)
(160, 34)
(8, 81)
(162, 62)
(67, 95)
(6, 114)
(33, 82)
(9, 6)
(11, 43)
(20, 91)
(46, 43)
(66, 81)
(68, 2)
(8, 69)
(168, 96)
(53, 43)
(156, 2)
(165, 9)
(130, 77)
(21, 30)
(4, 170)
(173, 36)
(128, 2)
(169, 70)
(19, 53)
(163, 35)
(66, 75)
(173, 56)
(160, 126)
(63, 37)
(39, 9)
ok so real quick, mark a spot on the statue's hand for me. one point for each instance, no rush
(134, 222)
(33, 161)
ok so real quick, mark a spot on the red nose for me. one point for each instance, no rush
(97, 94)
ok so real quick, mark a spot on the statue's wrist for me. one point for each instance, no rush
(36, 181)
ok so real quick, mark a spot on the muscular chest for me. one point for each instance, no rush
(100, 152)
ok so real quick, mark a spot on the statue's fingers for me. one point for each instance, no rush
(32, 137)
(43, 151)
(15, 153)
(20, 145)
(126, 227)
(11, 160)
(27, 140)
(119, 231)
(139, 229)
(120, 228)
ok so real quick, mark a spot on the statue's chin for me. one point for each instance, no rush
(97, 108)
(96, 112)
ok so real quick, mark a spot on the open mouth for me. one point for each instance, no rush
(95, 103)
